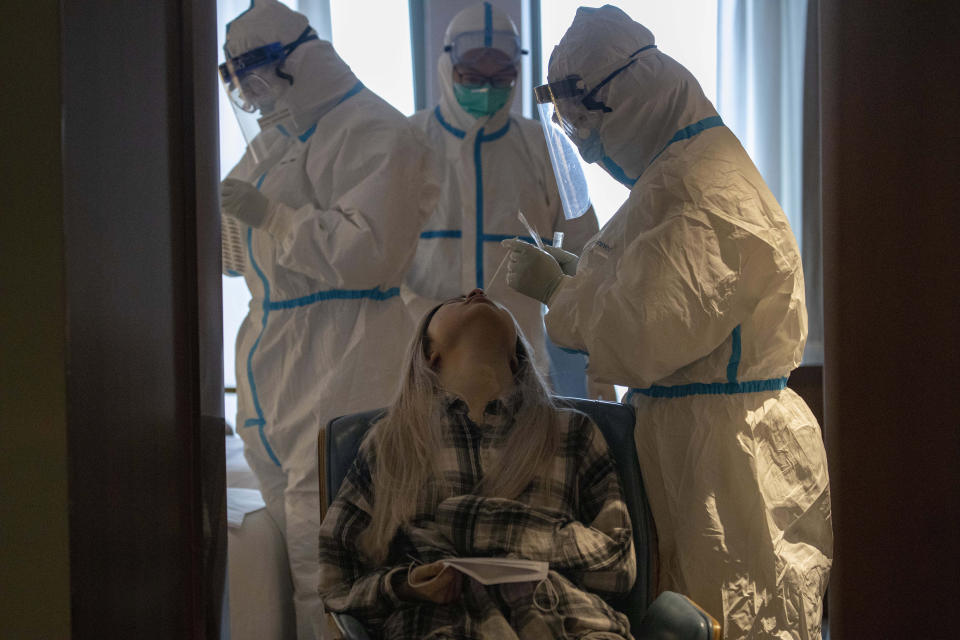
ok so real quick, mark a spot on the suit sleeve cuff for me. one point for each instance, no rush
(561, 316)
(563, 282)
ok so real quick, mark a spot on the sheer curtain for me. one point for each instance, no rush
(761, 48)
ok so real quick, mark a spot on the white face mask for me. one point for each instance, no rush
(263, 89)
(590, 147)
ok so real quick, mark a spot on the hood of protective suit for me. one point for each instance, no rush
(320, 77)
(651, 100)
(476, 17)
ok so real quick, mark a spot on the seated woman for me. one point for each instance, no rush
(474, 459)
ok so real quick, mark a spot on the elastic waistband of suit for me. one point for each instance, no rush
(376, 294)
(709, 389)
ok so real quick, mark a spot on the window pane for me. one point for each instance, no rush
(236, 299)
(230, 409)
(373, 37)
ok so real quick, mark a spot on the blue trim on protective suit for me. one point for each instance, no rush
(478, 171)
(731, 387)
(734, 364)
(442, 233)
(487, 25)
(690, 131)
(487, 237)
(575, 351)
(336, 294)
(617, 172)
(268, 306)
(710, 388)
(260, 422)
(642, 49)
(496, 135)
(303, 137)
(446, 125)
(354, 90)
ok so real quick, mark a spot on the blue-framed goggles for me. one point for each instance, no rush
(254, 82)
(237, 67)
(467, 46)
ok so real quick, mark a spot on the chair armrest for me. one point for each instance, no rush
(350, 628)
(676, 617)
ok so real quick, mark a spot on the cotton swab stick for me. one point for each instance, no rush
(533, 232)
(497, 272)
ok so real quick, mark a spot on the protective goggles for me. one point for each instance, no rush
(503, 79)
(237, 69)
(576, 108)
(466, 47)
(254, 82)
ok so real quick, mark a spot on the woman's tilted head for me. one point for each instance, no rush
(413, 427)
(471, 323)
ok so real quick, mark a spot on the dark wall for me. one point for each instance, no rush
(138, 167)
(890, 230)
(34, 538)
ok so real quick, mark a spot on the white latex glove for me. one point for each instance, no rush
(531, 271)
(242, 201)
(567, 261)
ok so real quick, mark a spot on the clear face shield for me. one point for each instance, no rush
(571, 113)
(556, 103)
(255, 82)
(253, 86)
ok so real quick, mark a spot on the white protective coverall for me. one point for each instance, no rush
(692, 294)
(493, 166)
(327, 329)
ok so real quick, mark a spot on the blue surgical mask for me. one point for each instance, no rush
(481, 101)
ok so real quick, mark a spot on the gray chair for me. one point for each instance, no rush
(669, 616)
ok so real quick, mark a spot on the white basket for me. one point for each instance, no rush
(233, 247)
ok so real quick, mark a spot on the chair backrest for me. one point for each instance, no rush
(340, 440)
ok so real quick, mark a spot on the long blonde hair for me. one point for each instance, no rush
(406, 438)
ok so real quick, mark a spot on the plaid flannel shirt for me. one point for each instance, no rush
(572, 516)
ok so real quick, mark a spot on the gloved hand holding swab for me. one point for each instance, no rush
(533, 232)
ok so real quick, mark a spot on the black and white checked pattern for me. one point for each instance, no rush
(573, 517)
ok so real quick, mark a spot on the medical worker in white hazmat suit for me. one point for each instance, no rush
(693, 296)
(332, 197)
(494, 164)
